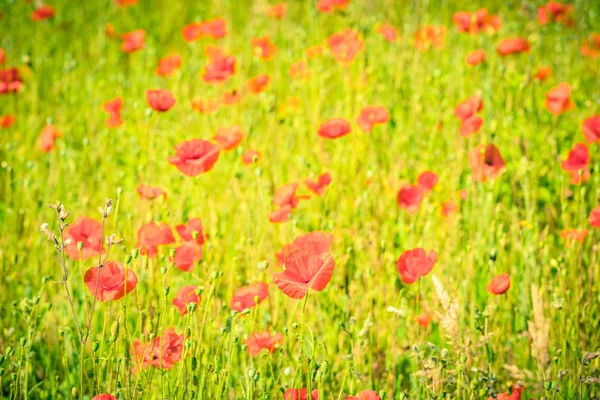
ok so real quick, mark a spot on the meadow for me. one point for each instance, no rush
(319, 199)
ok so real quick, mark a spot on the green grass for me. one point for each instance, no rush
(346, 338)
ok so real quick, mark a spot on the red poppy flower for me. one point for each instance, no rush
(463, 194)
(162, 352)
(7, 120)
(300, 394)
(388, 32)
(594, 218)
(286, 195)
(409, 198)
(250, 157)
(427, 181)
(10, 81)
(499, 285)
(263, 48)
(185, 296)
(515, 394)
(315, 51)
(206, 106)
(220, 68)
(423, 319)
(2, 56)
(574, 235)
(329, 6)
(160, 99)
(87, 231)
(430, 37)
(555, 12)
(475, 57)
(577, 163)
(168, 64)
(280, 215)
(216, 28)
(319, 185)
(259, 341)
(591, 46)
(543, 73)
(113, 108)
(371, 116)
(304, 269)
(276, 11)
(152, 235)
(558, 99)
(112, 281)
(319, 242)
(465, 111)
(415, 263)
(133, 41)
(48, 137)
(187, 255)
(188, 231)
(365, 395)
(104, 397)
(345, 45)
(448, 208)
(476, 22)
(512, 46)
(258, 84)
(148, 192)
(229, 137)
(126, 3)
(591, 128)
(299, 70)
(249, 296)
(334, 128)
(232, 97)
(194, 157)
(42, 12)
(486, 162)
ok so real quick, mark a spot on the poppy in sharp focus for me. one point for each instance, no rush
(304, 269)
(499, 285)
(110, 282)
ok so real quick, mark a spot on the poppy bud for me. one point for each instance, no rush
(23, 341)
(163, 270)
(95, 346)
(195, 235)
(75, 392)
(187, 343)
(191, 307)
(402, 396)
(13, 376)
(79, 246)
(295, 325)
(128, 259)
(194, 363)
(251, 373)
(135, 253)
(1, 358)
(244, 346)
(548, 385)
(246, 311)
(1, 371)
(167, 288)
(234, 313)
(114, 331)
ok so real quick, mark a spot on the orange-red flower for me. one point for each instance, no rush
(476, 22)
(88, 231)
(486, 162)
(168, 64)
(448, 208)
(187, 255)
(133, 41)
(475, 57)
(104, 397)
(194, 157)
(365, 395)
(591, 46)
(334, 128)
(152, 235)
(259, 341)
(263, 48)
(7, 120)
(249, 296)
(304, 269)
(558, 99)
(299, 70)
(162, 352)
(192, 228)
(276, 11)
(148, 192)
(185, 296)
(10, 81)
(329, 6)
(258, 84)
(388, 32)
(591, 128)
(427, 181)
(319, 185)
(515, 394)
(220, 68)
(512, 46)
(42, 12)
(111, 281)
(318, 241)
(409, 198)
(126, 3)
(250, 157)
(371, 116)
(206, 106)
(499, 285)
(160, 99)
(574, 235)
(577, 163)
(345, 45)
(543, 73)
(216, 29)
(470, 123)
(48, 137)
(113, 108)
(415, 263)
(430, 36)
(555, 12)
(594, 218)
(423, 319)
(229, 137)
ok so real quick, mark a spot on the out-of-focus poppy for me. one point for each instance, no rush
(152, 235)
(334, 128)
(430, 36)
(194, 157)
(280, 215)
(299, 70)
(7, 120)
(133, 41)
(48, 137)
(206, 106)
(475, 57)
(512, 46)
(416, 263)
(427, 180)
(110, 282)
(577, 163)
(555, 12)
(148, 192)
(42, 12)
(474, 23)
(423, 319)
(318, 241)
(319, 185)
(229, 137)
(448, 208)
(515, 394)
(365, 395)
(88, 231)
(300, 394)
(263, 48)
(345, 45)
(371, 116)
(231, 97)
(193, 230)
(276, 11)
(249, 296)
(220, 68)
(216, 29)
(162, 352)
(113, 108)
(187, 255)
(10, 81)
(304, 269)
(409, 198)
(499, 285)
(558, 99)
(591, 128)
(574, 235)
(594, 218)
(168, 64)
(466, 112)
(185, 296)
(160, 99)
(259, 341)
(543, 73)
(591, 46)
(250, 157)
(486, 162)
(126, 3)
(258, 84)
(104, 397)
(388, 32)
(329, 6)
